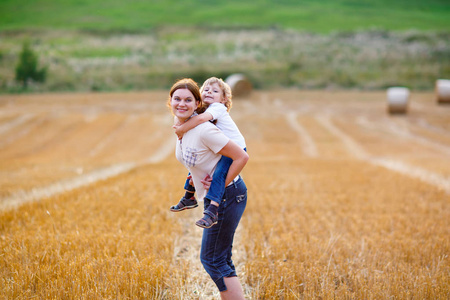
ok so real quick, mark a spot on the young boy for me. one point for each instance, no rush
(216, 95)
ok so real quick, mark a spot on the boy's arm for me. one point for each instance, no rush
(180, 130)
(239, 157)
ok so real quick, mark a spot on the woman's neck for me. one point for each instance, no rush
(187, 119)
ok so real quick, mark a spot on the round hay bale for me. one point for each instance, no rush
(397, 98)
(443, 91)
(239, 84)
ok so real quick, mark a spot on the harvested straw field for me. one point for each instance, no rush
(345, 200)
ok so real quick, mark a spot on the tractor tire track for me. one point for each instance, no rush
(390, 164)
(401, 130)
(308, 144)
(62, 186)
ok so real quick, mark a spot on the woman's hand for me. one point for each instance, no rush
(206, 182)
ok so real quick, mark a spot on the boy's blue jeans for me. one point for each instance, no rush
(217, 187)
(217, 241)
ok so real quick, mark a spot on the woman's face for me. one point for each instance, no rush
(183, 104)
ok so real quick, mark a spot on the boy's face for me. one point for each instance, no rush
(212, 93)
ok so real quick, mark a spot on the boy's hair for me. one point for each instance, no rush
(191, 85)
(226, 90)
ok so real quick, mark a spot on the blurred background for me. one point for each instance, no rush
(87, 170)
(113, 45)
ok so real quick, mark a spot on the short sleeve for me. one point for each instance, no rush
(213, 138)
(217, 110)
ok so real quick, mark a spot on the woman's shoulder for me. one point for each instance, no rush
(202, 128)
(207, 131)
(207, 126)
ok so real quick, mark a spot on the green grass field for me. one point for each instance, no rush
(314, 16)
(139, 44)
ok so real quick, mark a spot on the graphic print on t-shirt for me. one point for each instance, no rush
(190, 156)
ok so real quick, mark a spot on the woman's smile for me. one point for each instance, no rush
(183, 104)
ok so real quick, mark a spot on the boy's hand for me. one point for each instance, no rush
(206, 182)
(191, 182)
(178, 131)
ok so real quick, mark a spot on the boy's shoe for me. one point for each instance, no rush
(209, 220)
(184, 204)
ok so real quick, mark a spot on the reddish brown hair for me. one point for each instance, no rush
(189, 84)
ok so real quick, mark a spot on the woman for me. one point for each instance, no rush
(199, 150)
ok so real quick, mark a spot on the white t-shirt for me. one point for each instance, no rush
(225, 123)
(197, 151)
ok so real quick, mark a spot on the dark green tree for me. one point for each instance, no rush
(27, 68)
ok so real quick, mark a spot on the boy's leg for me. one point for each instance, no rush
(188, 201)
(215, 193)
(217, 188)
(190, 189)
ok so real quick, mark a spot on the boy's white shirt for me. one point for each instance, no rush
(225, 123)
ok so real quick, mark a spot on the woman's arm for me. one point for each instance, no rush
(180, 130)
(239, 157)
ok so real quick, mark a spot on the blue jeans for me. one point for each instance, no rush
(189, 187)
(217, 241)
(217, 187)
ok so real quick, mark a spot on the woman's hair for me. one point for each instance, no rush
(226, 90)
(191, 85)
